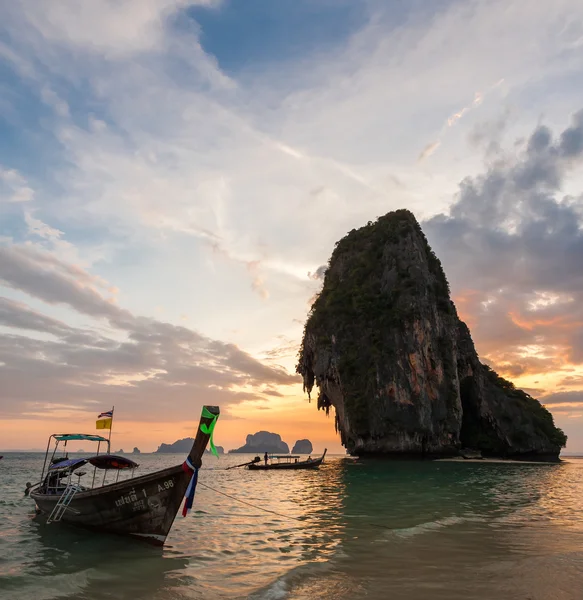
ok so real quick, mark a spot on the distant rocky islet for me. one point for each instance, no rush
(182, 446)
(136, 450)
(303, 447)
(255, 443)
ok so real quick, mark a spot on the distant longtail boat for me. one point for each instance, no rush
(285, 462)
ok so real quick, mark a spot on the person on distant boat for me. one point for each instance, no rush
(309, 459)
(265, 457)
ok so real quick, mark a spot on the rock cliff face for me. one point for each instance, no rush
(263, 441)
(384, 344)
(303, 447)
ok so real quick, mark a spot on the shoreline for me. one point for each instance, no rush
(511, 461)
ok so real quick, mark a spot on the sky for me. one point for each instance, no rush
(173, 173)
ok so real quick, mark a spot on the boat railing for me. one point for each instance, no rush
(286, 458)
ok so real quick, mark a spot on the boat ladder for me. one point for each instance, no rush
(63, 503)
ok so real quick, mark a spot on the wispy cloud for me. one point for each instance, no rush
(428, 150)
(454, 118)
(143, 361)
(14, 187)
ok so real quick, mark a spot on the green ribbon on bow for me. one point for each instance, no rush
(210, 428)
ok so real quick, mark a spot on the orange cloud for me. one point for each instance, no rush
(559, 322)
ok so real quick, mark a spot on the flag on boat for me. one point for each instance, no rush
(104, 420)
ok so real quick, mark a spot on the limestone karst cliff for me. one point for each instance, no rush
(384, 345)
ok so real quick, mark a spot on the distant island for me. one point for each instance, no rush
(262, 441)
(303, 447)
(182, 446)
(257, 443)
(136, 450)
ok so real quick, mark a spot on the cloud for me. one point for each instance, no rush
(96, 26)
(257, 285)
(20, 316)
(51, 280)
(156, 366)
(428, 150)
(190, 186)
(572, 380)
(37, 227)
(51, 98)
(173, 155)
(488, 134)
(319, 273)
(14, 187)
(452, 120)
(518, 242)
(563, 398)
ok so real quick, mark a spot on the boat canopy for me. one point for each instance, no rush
(71, 463)
(65, 437)
(101, 461)
(284, 456)
(111, 461)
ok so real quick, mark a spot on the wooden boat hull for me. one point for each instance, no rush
(144, 507)
(314, 464)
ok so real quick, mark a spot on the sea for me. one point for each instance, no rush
(352, 529)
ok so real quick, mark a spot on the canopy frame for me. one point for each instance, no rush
(284, 458)
(64, 437)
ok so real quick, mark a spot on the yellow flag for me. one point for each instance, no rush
(103, 423)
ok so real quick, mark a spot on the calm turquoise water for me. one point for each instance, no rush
(399, 530)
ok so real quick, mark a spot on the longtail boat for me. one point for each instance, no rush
(143, 507)
(285, 462)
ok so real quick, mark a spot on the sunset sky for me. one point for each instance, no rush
(173, 174)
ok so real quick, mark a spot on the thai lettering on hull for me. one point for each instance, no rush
(129, 498)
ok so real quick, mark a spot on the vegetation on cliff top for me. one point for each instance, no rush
(356, 290)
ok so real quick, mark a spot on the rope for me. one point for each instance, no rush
(275, 512)
(249, 504)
